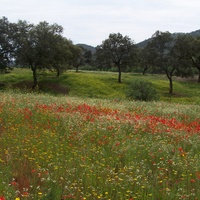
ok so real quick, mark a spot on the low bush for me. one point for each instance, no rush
(142, 90)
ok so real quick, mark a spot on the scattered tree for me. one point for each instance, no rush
(117, 49)
(41, 47)
(87, 55)
(195, 57)
(182, 52)
(7, 49)
(146, 57)
(77, 57)
(163, 58)
(186, 50)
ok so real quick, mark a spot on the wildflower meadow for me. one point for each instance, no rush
(57, 148)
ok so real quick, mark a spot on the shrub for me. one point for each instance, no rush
(141, 90)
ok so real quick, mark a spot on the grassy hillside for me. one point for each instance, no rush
(102, 84)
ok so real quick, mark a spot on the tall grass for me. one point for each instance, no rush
(86, 148)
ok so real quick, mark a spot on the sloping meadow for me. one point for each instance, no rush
(81, 148)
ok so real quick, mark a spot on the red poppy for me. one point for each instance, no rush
(13, 183)
(198, 175)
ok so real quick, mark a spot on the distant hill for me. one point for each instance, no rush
(87, 47)
(144, 43)
(195, 33)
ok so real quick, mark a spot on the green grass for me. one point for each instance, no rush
(104, 84)
(97, 85)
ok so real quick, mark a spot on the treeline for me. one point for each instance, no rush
(43, 47)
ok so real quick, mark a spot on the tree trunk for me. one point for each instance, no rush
(35, 83)
(170, 85)
(76, 69)
(198, 67)
(58, 73)
(169, 76)
(144, 70)
(120, 74)
(143, 73)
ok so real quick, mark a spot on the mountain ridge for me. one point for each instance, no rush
(143, 43)
(87, 47)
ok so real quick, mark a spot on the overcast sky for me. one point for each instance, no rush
(91, 21)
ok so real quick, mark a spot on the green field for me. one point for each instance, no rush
(103, 85)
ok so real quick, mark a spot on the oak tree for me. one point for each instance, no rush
(41, 46)
(118, 50)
